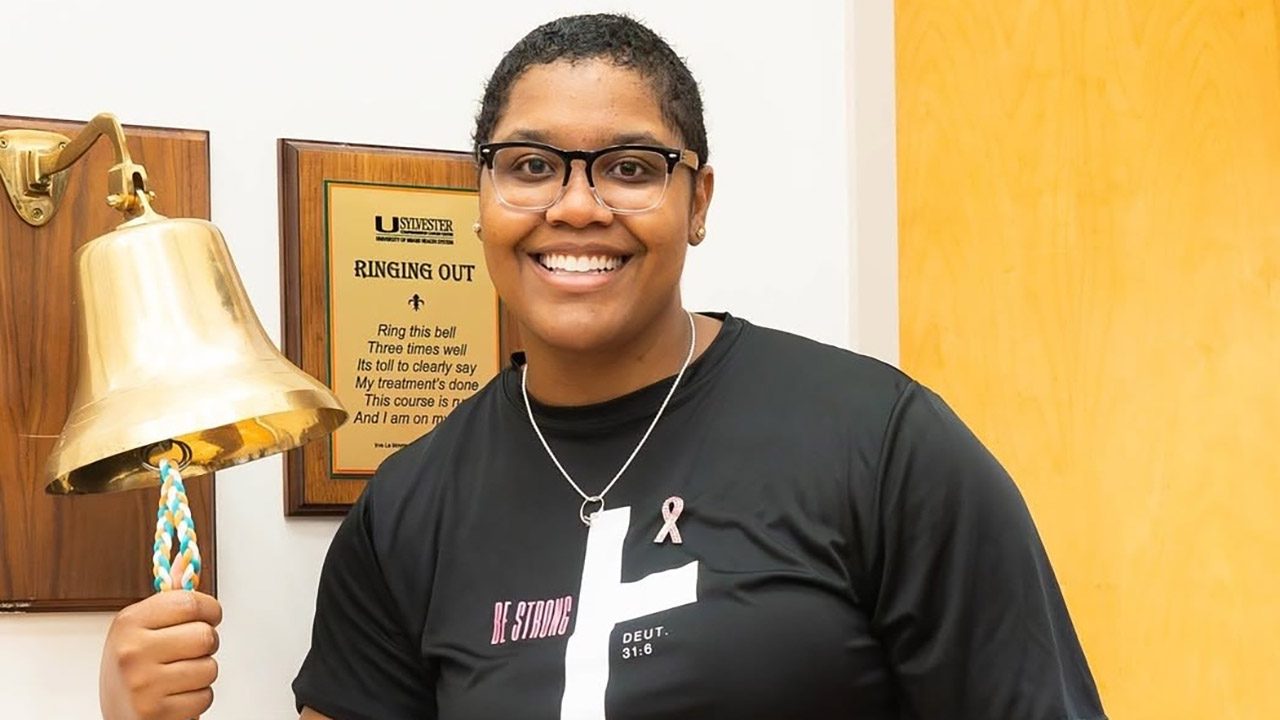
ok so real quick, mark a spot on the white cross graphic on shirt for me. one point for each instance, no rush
(605, 601)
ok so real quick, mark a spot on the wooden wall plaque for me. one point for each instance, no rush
(386, 300)
(77, 552)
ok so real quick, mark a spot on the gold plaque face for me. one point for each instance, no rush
(413, 317)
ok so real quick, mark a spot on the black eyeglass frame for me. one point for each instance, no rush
(486, 152)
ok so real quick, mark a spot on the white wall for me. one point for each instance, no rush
(873, 178)
(779, 246)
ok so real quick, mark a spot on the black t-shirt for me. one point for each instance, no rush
(848, 549)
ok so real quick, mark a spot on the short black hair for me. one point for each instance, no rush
(622, 41)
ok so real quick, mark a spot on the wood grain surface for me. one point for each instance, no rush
(1090, 274)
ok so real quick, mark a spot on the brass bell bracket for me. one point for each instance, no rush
(33, 165)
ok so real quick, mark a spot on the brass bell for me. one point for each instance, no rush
(172, 358)
(173, 362)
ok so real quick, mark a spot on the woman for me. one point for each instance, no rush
(654, 514)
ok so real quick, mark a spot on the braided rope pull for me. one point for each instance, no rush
(174, 519)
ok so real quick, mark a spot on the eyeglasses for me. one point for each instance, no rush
(623, 178)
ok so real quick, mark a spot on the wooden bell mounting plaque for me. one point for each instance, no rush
(77, 552)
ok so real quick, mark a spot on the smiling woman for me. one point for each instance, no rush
(655, 513)
(567, 182)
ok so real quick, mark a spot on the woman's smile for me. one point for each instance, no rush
(578, 270)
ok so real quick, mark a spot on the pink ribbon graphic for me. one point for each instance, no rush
(671, 510)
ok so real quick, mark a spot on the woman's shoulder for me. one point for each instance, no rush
(806, 366)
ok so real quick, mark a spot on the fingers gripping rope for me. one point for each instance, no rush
(173, 518)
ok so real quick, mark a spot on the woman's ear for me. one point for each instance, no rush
(704, 184)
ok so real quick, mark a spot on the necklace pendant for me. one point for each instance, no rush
(584, 514)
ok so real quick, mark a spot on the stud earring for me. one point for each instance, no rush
(701, 233)
(475, 227)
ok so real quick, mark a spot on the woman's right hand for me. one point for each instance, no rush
(158, 663)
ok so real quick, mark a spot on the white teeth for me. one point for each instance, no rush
(579, 263)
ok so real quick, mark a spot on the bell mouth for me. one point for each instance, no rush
(203, 452)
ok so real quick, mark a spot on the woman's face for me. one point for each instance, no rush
(587, 106)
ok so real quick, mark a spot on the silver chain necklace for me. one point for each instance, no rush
(592, 499)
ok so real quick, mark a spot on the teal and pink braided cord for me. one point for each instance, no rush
(174, 519)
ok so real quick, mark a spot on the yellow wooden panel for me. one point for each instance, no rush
(1089, 196)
